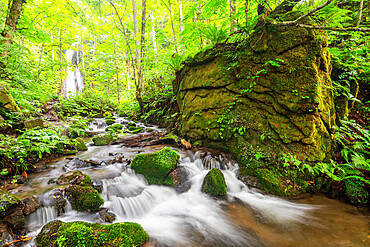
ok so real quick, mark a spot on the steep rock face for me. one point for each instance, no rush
(268, 95)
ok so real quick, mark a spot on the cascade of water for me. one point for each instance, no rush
(42, 216)
(73, 83)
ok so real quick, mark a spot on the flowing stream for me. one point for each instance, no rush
(245, 217)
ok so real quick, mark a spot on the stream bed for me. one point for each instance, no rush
(186, 216)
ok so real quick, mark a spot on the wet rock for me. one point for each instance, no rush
(81, 145)
(69, 151)
(110, 121)
(214, 183)
(75, 164)
(106, 217)
(156, 166)
(180, 177)
(8, 202)
(34, 123)
(84, 199)
(55, 198)
(15, 220)
(121, 234)
(102, 139)
(30, 205)
(137, 130)
(251, 181)
(149, 130)
(74, 177)
(5, 235)
(98, 185)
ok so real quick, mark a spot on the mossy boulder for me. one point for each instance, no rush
(71, 234)
(84, 198)
(137, 130)
(34, 123)
(8, 202)
(156, 166)
(77, 177)
(114, 128)
(102, 139)
(7, 101)
(271, 93)
(81, 145)
(110, 121)
(131, 126)
(214, 183)
(356, 193)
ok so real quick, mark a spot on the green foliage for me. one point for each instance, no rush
(16, 152)
(215, 34)
(156, 166)
(77, 127)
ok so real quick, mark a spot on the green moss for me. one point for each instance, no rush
(48, 235)
(69, 152)
(77, 177)
(131, 126)
(7, 202)
(102, 139)
(81, 145)
(156, 166)
(84, 198)
(78, 233)
(114, 128)
(110, 121)
(137, 130)
(356, 192)
(214, 183)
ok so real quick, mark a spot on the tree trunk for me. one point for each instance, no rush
(136, 29)
(38, 67)
(140, 85)
(246, 12)
(233, 15)
(181, 26)
(360, 13)
(173, 28)
(11, 22)
(153, 38)
(116, 64)
(61, 91)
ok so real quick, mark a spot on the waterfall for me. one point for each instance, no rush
(73, 83)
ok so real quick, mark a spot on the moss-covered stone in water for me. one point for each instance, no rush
(81, 145)
(77, 177)
(137, 130)
(102, 139)
(84, 199)
(114, 128)
(8, 201)
(214, 183)
(131, 126)
(110, 121)
(48, 235)
(58, 233)
(356, 193)
(156, 166)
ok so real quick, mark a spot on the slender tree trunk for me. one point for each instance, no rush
(140, 85)
(116, 65)
(232, 15)
(11, 22)
(246, 12)
(38, 67)
(360, 13)
(173, 28)
(181, 26)
(61, 91)
(136, 28)
(128, 72)
(153, 38)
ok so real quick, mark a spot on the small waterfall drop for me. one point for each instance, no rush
(73, 83)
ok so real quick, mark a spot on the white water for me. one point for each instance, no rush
(73, 83)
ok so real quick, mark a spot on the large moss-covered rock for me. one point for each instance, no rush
(156, 166)
(34, 123)
(356, 193)
(102, 139)
(71, 234)
(114, 128)
(269, 95)
(75, 177)
(214, 183)
(8, 202)
(84, 198)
